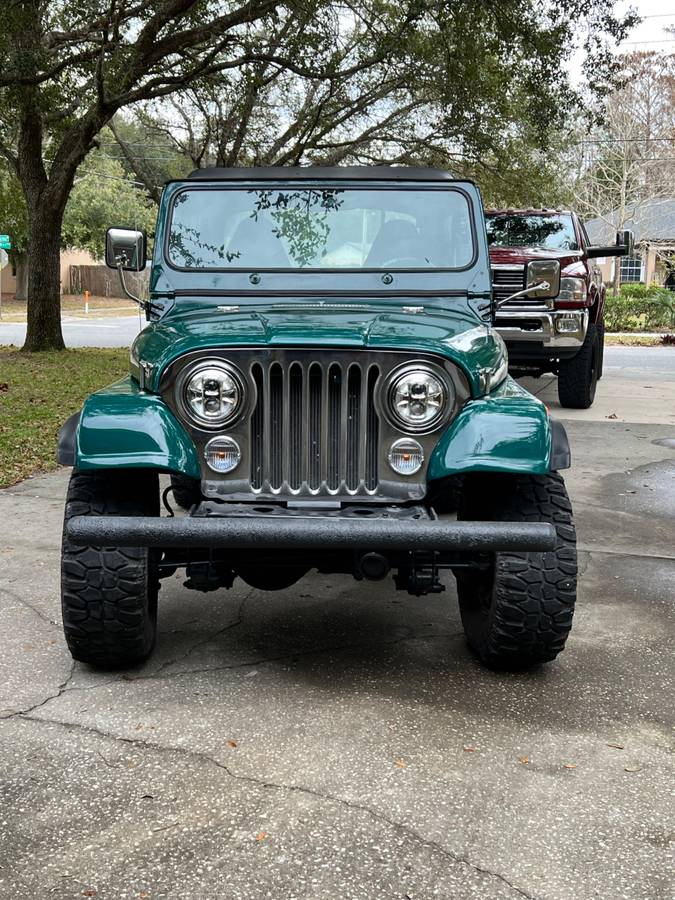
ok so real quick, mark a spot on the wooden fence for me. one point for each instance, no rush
(101, 281)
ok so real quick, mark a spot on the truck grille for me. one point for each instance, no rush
(506, 280)
(314, 428)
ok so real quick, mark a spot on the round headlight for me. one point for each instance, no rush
(212, 395)
(222, 454)
(418, 399)
(406, 456)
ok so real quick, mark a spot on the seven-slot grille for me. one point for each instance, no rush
(507, 280)
(314, 427)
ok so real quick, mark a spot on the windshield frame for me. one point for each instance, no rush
(321, 185)
(531, 215)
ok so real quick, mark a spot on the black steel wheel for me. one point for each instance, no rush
(578, 377)
(517, 612)
(109, 594)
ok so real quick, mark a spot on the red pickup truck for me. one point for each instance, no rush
(563, 334)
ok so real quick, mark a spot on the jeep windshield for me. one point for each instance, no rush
(551, 232)
(321, 228)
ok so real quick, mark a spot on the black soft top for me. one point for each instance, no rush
(314, 173)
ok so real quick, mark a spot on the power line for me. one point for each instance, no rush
(623, 140)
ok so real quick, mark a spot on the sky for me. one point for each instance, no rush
(650, 34)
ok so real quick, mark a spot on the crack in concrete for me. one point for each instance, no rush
(604, 551)
(23, 602)
(62, 688)
(160, 674)
(455, 858)
(211, 637)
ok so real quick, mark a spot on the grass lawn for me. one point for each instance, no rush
(633, 340)
(38, 391)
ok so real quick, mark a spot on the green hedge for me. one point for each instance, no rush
(640, 308)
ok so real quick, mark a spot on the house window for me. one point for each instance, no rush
(631, 268)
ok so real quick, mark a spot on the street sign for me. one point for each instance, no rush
(4, 259)
(5, 242)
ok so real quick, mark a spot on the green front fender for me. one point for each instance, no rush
(506, 431)
(124, 427)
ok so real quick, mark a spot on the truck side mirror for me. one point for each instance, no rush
(126, 249)
(624, 246)
(626, 241)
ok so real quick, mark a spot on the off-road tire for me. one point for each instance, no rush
(601, 341)
(578, 377)
(185, 491)
(109, 594)
(518, 612)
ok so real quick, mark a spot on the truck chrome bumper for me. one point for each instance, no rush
(311, 533)
(554, 328)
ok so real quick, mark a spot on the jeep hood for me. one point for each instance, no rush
(454, 333)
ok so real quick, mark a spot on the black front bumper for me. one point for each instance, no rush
(310, 533)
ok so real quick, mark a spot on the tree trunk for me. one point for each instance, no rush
(44, 280)
(21, 263)
(616, 286)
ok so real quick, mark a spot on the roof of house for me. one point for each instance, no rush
(653, 220)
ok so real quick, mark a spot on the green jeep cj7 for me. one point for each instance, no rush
(319, 377)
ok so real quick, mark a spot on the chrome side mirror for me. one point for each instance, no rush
(125, 249)
(540, 272)
(543, 281)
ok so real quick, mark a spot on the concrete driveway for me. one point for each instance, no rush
(337, 740)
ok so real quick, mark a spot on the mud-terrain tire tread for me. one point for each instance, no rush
(577, 377)
(601, 346)
(185, 491)
(531, 596)
(109, 594)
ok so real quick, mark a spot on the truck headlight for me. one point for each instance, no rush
(211, 394)
(418, 399)
(572, 290)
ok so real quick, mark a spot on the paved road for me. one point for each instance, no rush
(114, 331)
(337, 740)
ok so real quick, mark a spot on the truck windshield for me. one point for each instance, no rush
(550, 232)
(334, 228)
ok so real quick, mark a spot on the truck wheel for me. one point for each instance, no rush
(109, 594)
(601, 341)
(578, 377)
(518, 611)
(186, 491)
